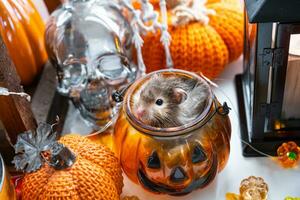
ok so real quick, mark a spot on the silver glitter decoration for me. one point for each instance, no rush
(31, 145)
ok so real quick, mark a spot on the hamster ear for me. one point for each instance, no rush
(156, 76)
(180, 95)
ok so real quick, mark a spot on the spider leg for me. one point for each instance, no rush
(165, 36)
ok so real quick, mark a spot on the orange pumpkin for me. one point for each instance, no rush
(174, 160)
(197, 47)
(254, 188)
(96, 174)
(22, 29)
(288, 154)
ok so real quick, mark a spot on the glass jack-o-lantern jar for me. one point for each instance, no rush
(173, 160)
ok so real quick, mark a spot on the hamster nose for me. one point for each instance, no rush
(140, 112)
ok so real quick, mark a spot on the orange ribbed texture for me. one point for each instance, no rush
(199, 48)
(131, 198)
(96, 174)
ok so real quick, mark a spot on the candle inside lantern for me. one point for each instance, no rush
(291, 99)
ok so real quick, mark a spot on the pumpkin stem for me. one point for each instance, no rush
(197, 11)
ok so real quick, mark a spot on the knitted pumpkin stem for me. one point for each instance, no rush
(186, 12)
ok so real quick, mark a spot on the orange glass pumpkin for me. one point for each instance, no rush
(251, 188)
(174, 160)
(288, 154)
(22, 30)
(96, 174)
(197, 47)
(254, 188)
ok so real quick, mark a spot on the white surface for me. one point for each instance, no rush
(295, 45)
(282, 182)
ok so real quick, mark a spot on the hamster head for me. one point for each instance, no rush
(157, 102)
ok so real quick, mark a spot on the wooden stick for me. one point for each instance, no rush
(15, 112)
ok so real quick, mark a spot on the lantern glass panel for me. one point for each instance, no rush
(249, 68)
(291, 99)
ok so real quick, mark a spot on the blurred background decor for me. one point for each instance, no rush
(199, 45)
(22, 30)
(268, 89)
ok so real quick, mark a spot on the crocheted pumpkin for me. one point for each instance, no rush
(22, 30)
(198, 47)
(96, 174)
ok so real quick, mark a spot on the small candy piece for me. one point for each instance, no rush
(292, 198)
(288, 154)
(292, 155)
(253, 188)
(232, 196)
(17, 181)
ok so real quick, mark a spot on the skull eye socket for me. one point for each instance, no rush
(74, 73)
(159, 102)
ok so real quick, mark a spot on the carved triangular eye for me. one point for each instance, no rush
(198, 154)
(178, 175)
(153, 161)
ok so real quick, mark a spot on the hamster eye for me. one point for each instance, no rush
(159, 102)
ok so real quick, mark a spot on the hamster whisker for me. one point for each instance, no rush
(158, 122)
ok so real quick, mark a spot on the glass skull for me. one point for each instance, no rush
(90, 43)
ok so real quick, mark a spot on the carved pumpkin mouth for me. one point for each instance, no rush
(162, 188)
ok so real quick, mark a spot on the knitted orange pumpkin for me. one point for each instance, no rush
(96, 174)
(22, 30)
(198, 47)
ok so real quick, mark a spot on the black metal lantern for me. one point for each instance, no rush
(269, 88)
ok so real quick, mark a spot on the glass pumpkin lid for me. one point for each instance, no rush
(195, 123)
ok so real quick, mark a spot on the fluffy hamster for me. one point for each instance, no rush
(170, 101)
